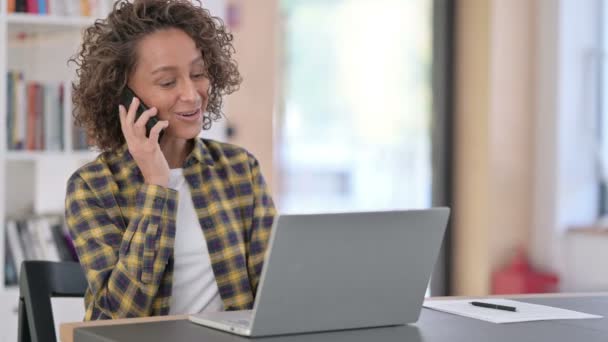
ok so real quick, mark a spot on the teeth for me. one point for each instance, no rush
(188, 114)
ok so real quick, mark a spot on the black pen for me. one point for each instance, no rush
(494, 306)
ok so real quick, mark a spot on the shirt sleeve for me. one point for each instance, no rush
(123, 264)
(259, 232)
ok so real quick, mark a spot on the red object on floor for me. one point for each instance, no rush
(519, 277)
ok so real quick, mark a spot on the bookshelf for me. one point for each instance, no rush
(38, 23)
(32, 181)
(45, 155)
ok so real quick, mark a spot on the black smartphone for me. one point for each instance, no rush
(126, 98)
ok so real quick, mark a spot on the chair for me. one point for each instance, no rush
(38, 282)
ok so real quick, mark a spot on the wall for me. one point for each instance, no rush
(250, 110)
(522, 168)
(566, 190)
(494, 146)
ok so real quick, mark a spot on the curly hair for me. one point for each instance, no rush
(108, 55)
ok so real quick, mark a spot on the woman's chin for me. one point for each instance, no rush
(186, 134)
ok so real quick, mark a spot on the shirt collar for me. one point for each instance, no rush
(199, 154)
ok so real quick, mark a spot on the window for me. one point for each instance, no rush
(602, 123)
(354, 124)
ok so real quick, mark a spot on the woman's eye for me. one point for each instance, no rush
(167, 84)
(198, 75)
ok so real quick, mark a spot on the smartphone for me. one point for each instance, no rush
(126, 98)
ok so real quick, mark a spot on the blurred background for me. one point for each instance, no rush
(495, 108)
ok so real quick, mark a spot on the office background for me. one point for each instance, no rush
(493, 107)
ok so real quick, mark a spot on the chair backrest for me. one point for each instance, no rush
(38, 282)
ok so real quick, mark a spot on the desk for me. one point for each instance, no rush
(433, 326)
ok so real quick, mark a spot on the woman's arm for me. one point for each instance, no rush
(124, 267)
(261, 223)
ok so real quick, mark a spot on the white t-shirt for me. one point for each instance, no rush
(194, 287)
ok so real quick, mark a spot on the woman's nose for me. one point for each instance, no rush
(189, 93)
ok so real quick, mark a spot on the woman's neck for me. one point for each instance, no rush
(176, 150)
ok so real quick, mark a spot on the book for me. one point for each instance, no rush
(10, 271)
(47, 242)
(28, 252)
(35, 114)
(36, 237)
(42, 7)
(21, 6)
(12, 6)
(85, 8)
(10, 117)
(31, 116)
(32, 6)
(52, 118)
(56, 7)
(97, 8)
(19, 111)
(34, 242)
(13, 240)
(39, 112)
(65, 254)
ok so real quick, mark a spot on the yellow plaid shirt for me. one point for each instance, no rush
(124, 230)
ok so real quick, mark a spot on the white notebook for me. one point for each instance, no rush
(524, 311)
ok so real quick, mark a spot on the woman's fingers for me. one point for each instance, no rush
(132, 110)
(155, 131)
(140, 123)
(122, 114)
(145, 151)
(134, 127)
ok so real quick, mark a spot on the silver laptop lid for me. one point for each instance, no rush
(347, 270)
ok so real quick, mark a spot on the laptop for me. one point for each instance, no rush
(340, 271)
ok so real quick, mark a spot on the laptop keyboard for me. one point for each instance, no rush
(238, 322)
(238, 318)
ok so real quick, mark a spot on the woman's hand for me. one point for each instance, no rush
(145, 150)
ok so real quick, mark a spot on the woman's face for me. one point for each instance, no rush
(170, 75)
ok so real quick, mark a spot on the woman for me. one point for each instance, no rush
(167, 223)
